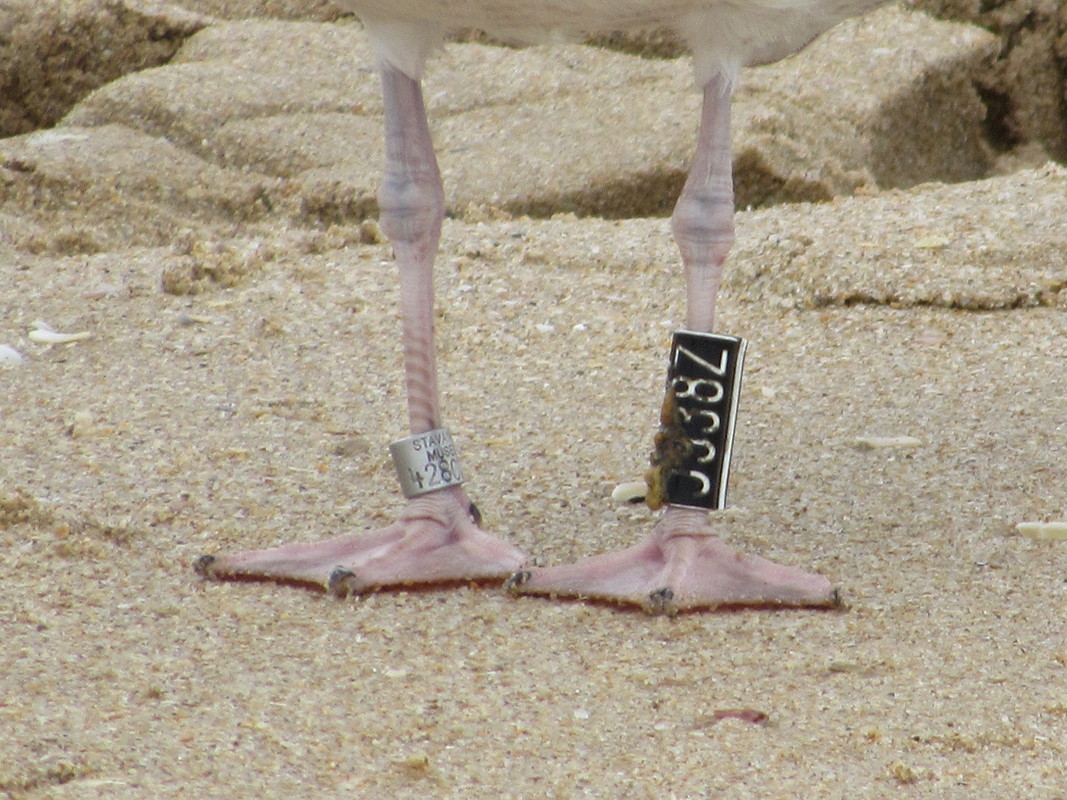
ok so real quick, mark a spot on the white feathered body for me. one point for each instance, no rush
(723, 35)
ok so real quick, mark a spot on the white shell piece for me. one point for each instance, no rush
(1047, 531)
(44, 336)
(9, 355)
(630, 492)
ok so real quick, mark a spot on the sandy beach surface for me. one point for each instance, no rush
(193, 187)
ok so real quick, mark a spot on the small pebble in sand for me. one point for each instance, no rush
(882, 442)
(1044, 531)
(752, 715)
(903, 773)
(930, 337)
(188, 320)
(932, 243)
(81, 425)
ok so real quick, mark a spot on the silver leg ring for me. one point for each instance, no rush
(426, 462)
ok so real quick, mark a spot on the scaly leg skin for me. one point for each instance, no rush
(435, 539)
(681, 564)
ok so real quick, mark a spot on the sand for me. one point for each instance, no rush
(209, 222)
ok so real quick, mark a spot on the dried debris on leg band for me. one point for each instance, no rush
(691, 462)
(426, 462)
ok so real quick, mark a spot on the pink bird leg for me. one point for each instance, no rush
(436, 537)
(681, 564)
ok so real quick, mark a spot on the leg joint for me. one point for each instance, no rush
(410, 203)
(704, 219)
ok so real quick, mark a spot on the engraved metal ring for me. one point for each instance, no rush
(426, 462)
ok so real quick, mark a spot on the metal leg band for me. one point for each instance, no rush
(426, 462)
(691, 462)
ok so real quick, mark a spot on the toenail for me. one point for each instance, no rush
(476, 515)
(517, 579)
(340, 582)
(202, 566)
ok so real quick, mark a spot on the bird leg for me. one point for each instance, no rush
(436, 537)
(682, 564)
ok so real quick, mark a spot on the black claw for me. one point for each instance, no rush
(517, 579)
(202, 566)
(476, 515)
(660, 601)
(340, 582)
(837, 602)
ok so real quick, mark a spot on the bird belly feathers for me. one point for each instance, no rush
(724, 35)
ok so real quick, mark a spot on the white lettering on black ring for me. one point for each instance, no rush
(691, 463)
(426, 462)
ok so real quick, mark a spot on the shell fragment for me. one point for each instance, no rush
(1045, 531)
(883, 442)
(9, 355)
(42, 334)
(630, 492)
